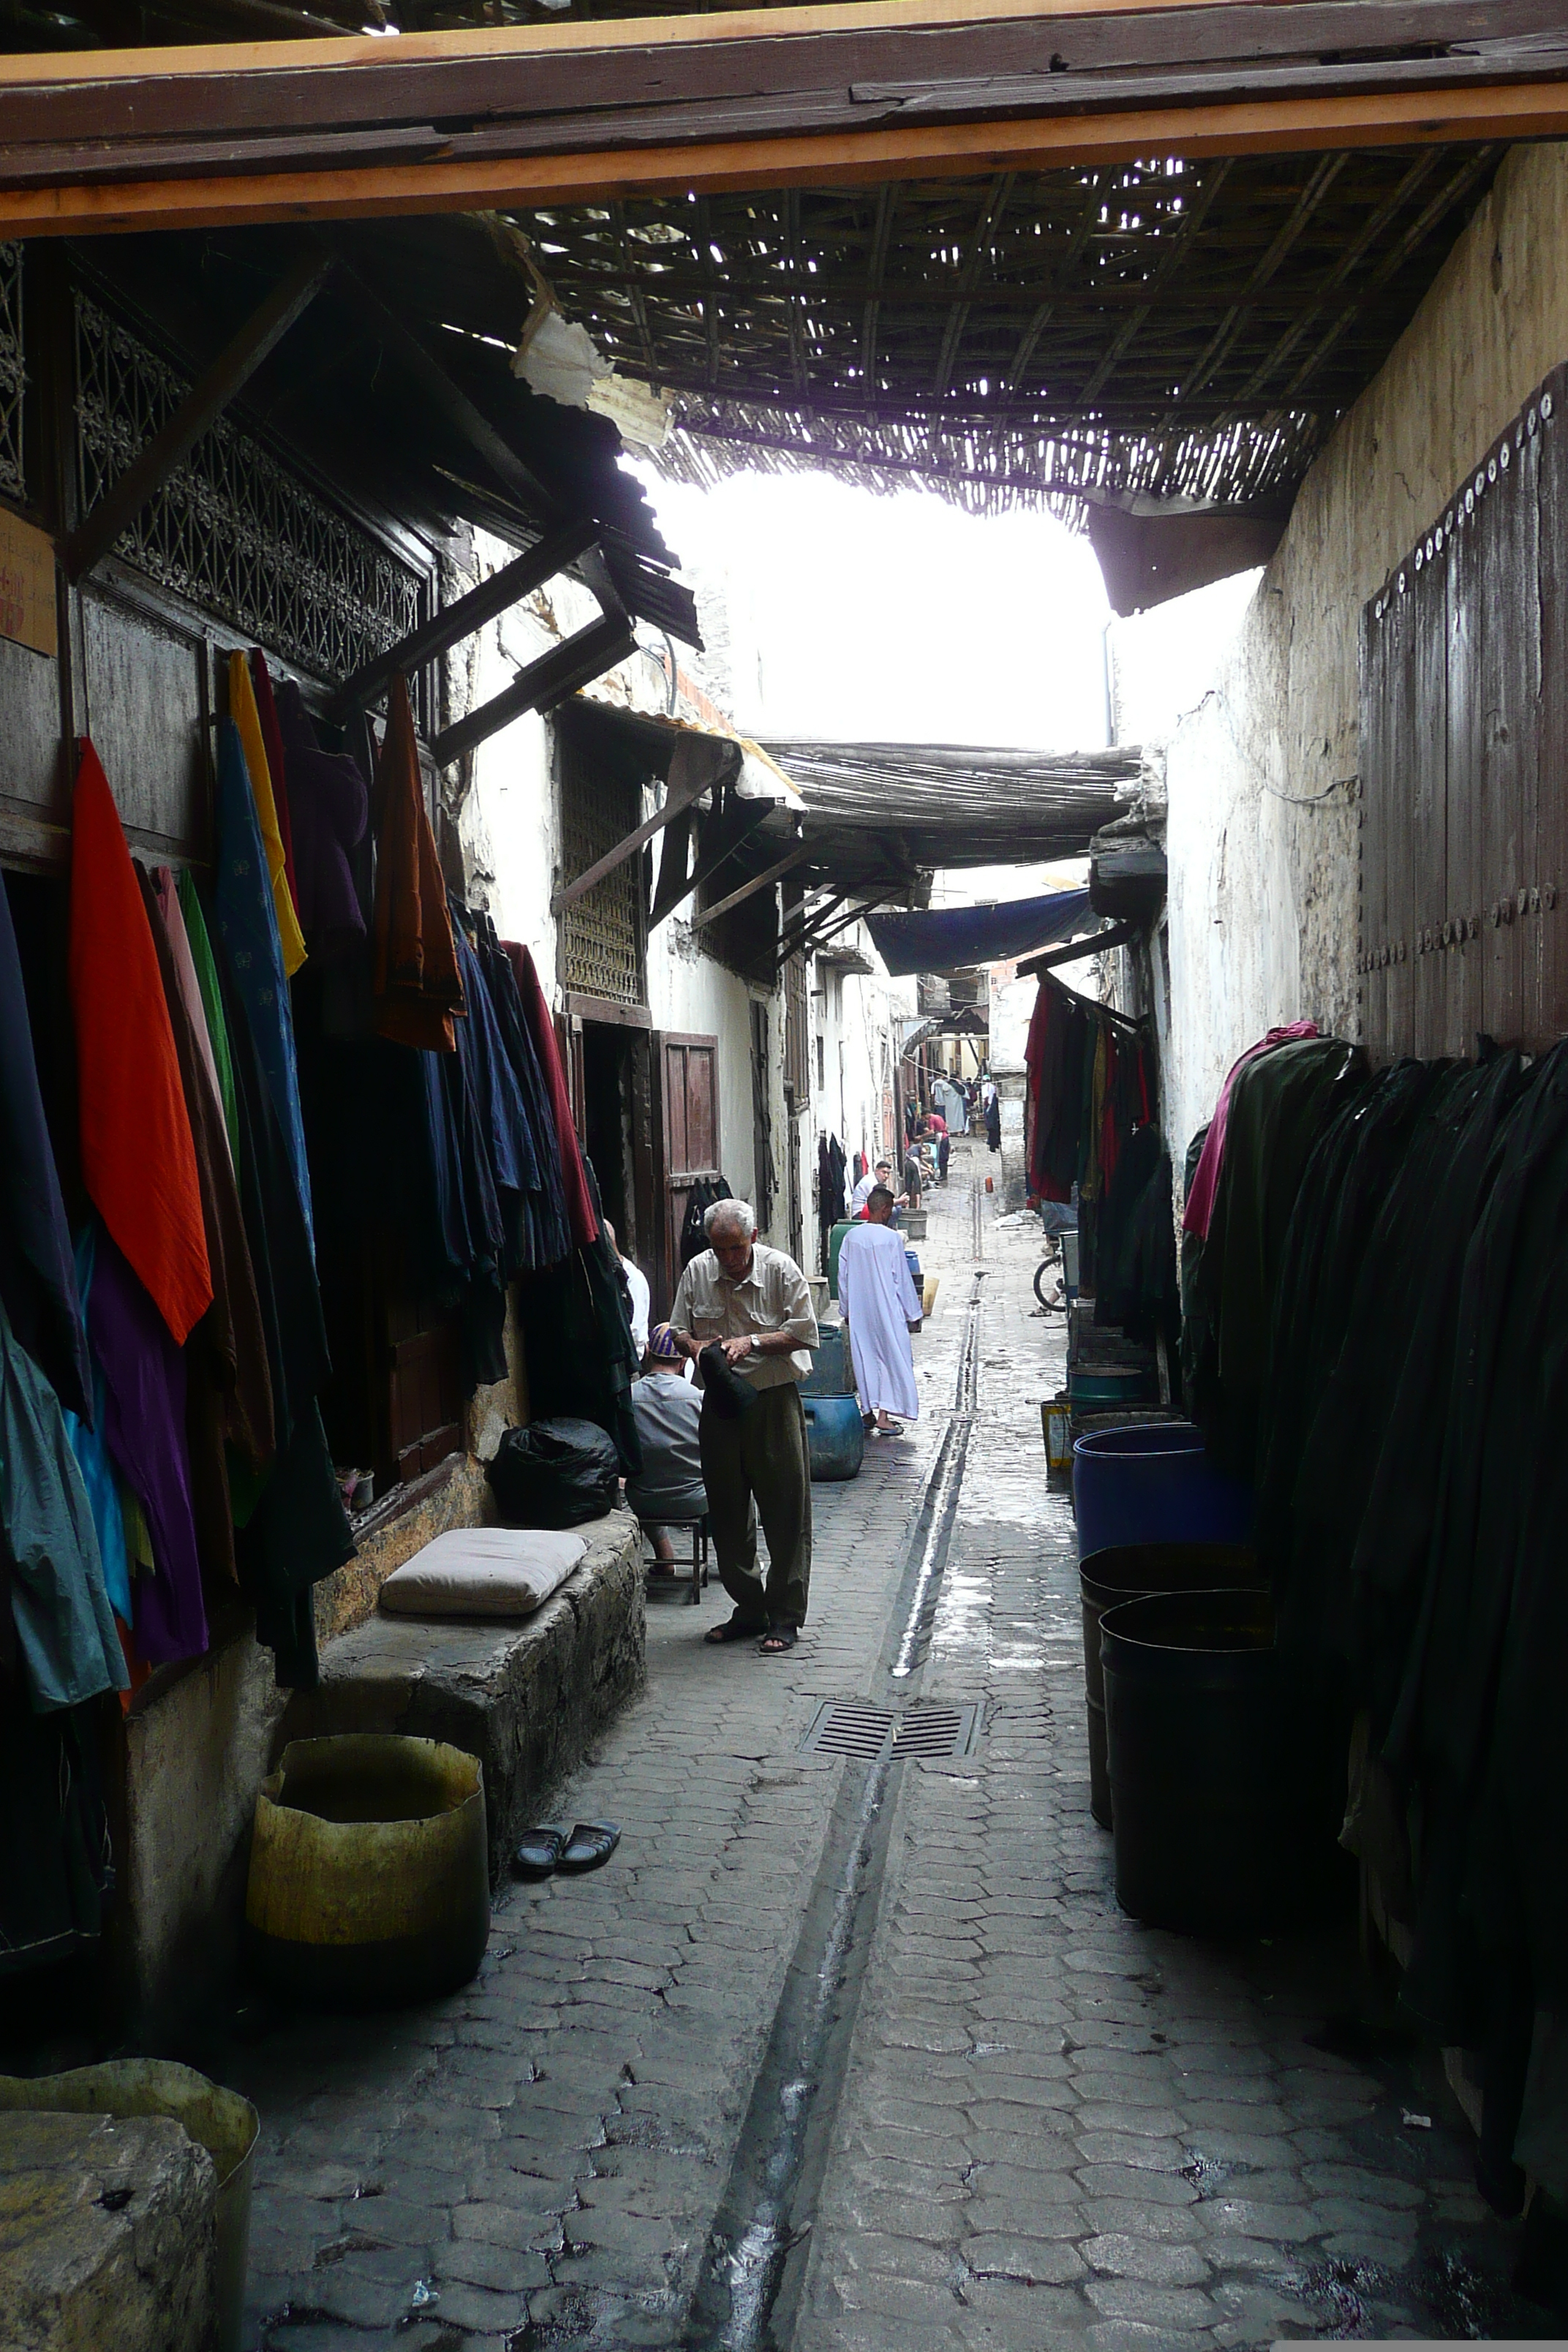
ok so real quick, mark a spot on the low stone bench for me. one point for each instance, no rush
(107, 2234)
(525, 1696)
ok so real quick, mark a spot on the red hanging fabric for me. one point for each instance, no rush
(138, 1158)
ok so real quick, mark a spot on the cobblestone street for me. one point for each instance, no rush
(861, 2053)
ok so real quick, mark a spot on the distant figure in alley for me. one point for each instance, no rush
(744, 1311)
(882, 1308)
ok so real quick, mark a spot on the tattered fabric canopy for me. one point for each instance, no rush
(1162, 338)
(950, 938)
(880, 815)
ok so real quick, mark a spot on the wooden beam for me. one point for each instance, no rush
(448, 627)
(573, 662)
(719, 839)
(747, 889)
(700, 105)
(698, 775)
(1519, 112)
(207, 398)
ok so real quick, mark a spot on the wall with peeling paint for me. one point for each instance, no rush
(1262, 776)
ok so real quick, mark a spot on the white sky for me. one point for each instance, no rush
(860, 617)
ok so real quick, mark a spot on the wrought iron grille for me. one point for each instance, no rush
(13, 375)
(232, 530)
(602, 933)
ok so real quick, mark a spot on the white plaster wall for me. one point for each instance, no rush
(1262, 776)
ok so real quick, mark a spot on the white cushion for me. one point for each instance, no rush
(483, 1572)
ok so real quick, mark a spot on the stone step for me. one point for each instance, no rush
(526, 1696)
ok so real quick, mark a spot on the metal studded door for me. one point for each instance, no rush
(1465, 760)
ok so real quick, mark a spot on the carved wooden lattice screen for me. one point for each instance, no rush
(1464, 727)
(603, 934)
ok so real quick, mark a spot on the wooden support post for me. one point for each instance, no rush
(689, 778)
(548, 680)
(715, 847)
(757, 882)
(511, 584)
(207, 398)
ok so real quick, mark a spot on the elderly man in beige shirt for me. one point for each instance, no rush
(755, 1303)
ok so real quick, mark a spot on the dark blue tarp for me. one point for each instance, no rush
(952, 937)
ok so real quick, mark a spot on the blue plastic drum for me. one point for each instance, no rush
(1153, 1483)
(834, 1435)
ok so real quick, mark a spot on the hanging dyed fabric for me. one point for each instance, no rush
(272, 744)
(201, 954)
(167, 912)
(1201, 1193)
(94, 1459)
(330, 805)
(58, 1604)
(295, 1528)
(228, 1391)
(246, 720)
(418, 988)
(138, 1160)
(144, 1427)
(245, 914)
(38, 1280)
(580, 1206)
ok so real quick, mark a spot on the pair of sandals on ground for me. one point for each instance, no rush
(773, 1641)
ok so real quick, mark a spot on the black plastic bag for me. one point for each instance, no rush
(554, 1473)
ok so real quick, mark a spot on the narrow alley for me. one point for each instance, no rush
(848, 2051)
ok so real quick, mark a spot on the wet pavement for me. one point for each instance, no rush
(848, 2051)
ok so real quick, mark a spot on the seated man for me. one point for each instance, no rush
(666, 1408)
(882, 1174)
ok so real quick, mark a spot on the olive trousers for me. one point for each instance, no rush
(759, 1465)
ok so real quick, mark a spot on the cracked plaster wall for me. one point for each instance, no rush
(1262, 776)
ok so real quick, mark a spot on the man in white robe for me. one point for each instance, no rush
(881, 1308)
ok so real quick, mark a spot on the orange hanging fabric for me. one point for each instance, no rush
(417, 985)
(138, 1158)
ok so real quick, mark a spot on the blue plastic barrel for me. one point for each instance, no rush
(1152, 1483)
(834, 1435)
(829, 1374)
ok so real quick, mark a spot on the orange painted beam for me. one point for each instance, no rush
(1510, 112)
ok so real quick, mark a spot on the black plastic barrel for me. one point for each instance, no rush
(1126, 1572)
(1227, 1789)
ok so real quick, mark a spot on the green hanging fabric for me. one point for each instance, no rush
(212, 1002)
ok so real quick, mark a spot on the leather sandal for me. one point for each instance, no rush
(590, 1844)
(735, 1629)
(777, 1640)
(537, 1853)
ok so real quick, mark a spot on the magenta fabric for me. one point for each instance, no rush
(144, 1428)
(1205, 1176)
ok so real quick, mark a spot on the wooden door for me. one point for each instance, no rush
(685, 1132)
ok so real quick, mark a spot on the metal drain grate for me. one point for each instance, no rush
(848, 1728)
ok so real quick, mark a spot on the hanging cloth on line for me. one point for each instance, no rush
(418, 988)
(38, 1283)
(138, 1160)
(246, 719)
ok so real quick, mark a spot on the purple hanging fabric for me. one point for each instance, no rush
(144, 1427)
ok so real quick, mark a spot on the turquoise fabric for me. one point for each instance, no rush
(93, 1457)
(65, 1626)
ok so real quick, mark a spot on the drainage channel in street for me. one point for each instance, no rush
(754, 2262)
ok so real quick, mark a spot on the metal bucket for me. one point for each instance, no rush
(1227, 1786)
(1128, 1573)
(226, 2125)
(369, 1876)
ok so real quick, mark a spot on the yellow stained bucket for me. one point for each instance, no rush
(369, 1870)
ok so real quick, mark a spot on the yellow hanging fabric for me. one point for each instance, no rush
(248, 718)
